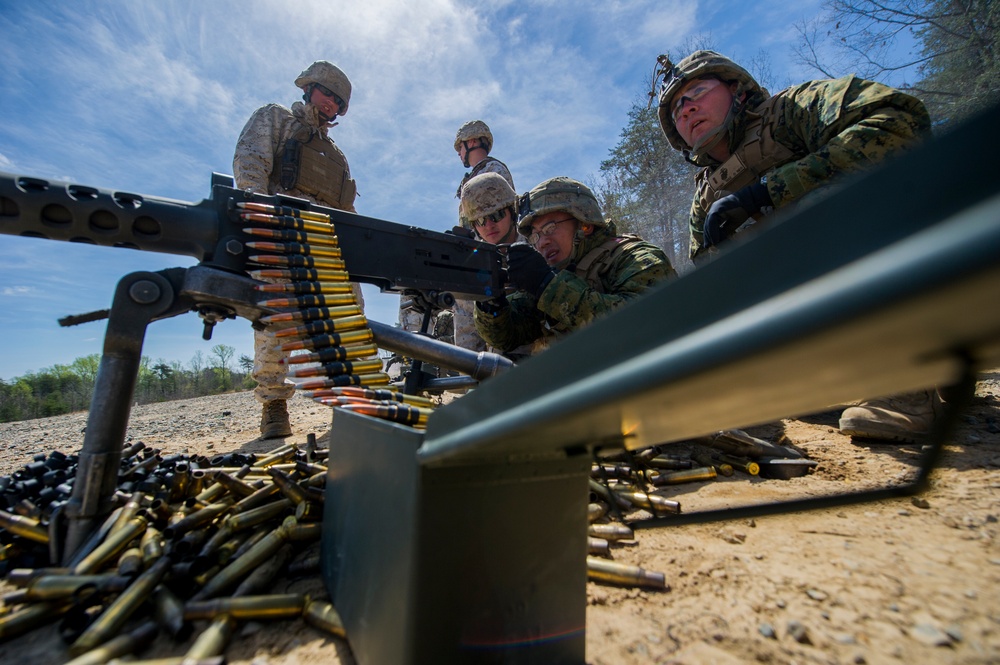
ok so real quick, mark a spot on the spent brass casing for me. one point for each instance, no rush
(598, 546)
(305, 566)
(309, 469)
(130, 562)
(316, 313)
(746, 466)
(291, 248)
(324, 327)
(596, 511)
(113, 545)
(668, 462)
(25, 527)
(151, 545)
(603, 570)
(172, 660)
(22, 577)
(697, 474)
(294, 235)
(168, 610)
(28, 618)
(287, 486)
(337, 368)
(57, 587)
(262, 578)
(610, 531)
(255, 500)
(309, 511)
(122, 645)
(611, 497)
(240, 567)
(324, 616)
(651, 502)
(129, 510)
(284, 453)
(299, 261)
(120, 609)
(265, 513)
(234, 485)
(214, 639)
(197, 519)
(275, 606)
(708, 459)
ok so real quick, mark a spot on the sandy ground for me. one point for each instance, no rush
(907, 580)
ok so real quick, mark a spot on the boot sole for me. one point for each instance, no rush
(865, 429)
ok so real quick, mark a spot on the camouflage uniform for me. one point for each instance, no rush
(821, 129)
(573, 300)
(260, 144)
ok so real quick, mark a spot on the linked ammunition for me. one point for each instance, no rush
(401, 413)
(324, 327)
(333, 272)
(361, 380)
(253, 608)
(297, 261)
(603, 570)
(295, 236)
(305, 301)
(317, 342)
(378, 394)
(316, 313)
(281, 212)
(295, 248)
(327, 286)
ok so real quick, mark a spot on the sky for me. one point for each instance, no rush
(150, 97)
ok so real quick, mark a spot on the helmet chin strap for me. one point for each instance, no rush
(322, 117)
(712, 139)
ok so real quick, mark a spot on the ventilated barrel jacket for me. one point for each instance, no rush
(805, 136)
(324, 177)
(607, 271)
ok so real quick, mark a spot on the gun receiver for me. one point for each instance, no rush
(394, 257)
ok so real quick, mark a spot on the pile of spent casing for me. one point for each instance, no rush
(322, 316)
(627, 481)
(190, 539)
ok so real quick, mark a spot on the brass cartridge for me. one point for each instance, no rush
(602, 570)
(276, 606)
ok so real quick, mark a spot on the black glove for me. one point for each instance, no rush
(527, 270)
(730, 212)
(493, 306)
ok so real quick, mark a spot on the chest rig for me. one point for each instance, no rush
(314, 165)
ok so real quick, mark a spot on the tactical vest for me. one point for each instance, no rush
(756, 155)
(592, 266)
(476, 170)
(312, 164)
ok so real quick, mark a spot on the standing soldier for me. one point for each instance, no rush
(282, 151)
(473, 143)
(762, 152)
(574, 269)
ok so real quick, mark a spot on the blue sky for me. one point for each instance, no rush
(150, 97)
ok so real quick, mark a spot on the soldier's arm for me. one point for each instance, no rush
(253, 160)
(846, 124)
(513, 325)
(570, 300)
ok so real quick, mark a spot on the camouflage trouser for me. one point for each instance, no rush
(268, 371)
(465, 328)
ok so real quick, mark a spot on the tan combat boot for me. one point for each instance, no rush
(905, 418)
(274, 420)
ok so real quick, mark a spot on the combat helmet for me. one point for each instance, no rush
(331, 77)
(484, 195)
(474, 129)
(699, 65)
(559, 194)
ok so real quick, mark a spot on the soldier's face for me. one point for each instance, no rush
(495, 231)
(555, 243)
(701, 106)
(327, 104)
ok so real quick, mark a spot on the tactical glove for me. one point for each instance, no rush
(527, 270)
(462, 232)
(730, 212)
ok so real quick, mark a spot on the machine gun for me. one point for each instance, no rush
(430, 266)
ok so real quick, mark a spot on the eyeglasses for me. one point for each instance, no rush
(692, 95)
(495, 217)
(330, 93)
(547, 229)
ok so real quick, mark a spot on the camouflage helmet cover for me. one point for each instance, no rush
(474, 129)
(484, 195)
(697, 65)
(329, 76)
(559, 194)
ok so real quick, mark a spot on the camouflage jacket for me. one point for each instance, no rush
(487, 165)
(823, 129)
(262, 140)
(571, 301)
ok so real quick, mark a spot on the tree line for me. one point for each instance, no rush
(60, 389)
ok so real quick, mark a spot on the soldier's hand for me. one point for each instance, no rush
(527, 270)
(462, 232)
(729, 213)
